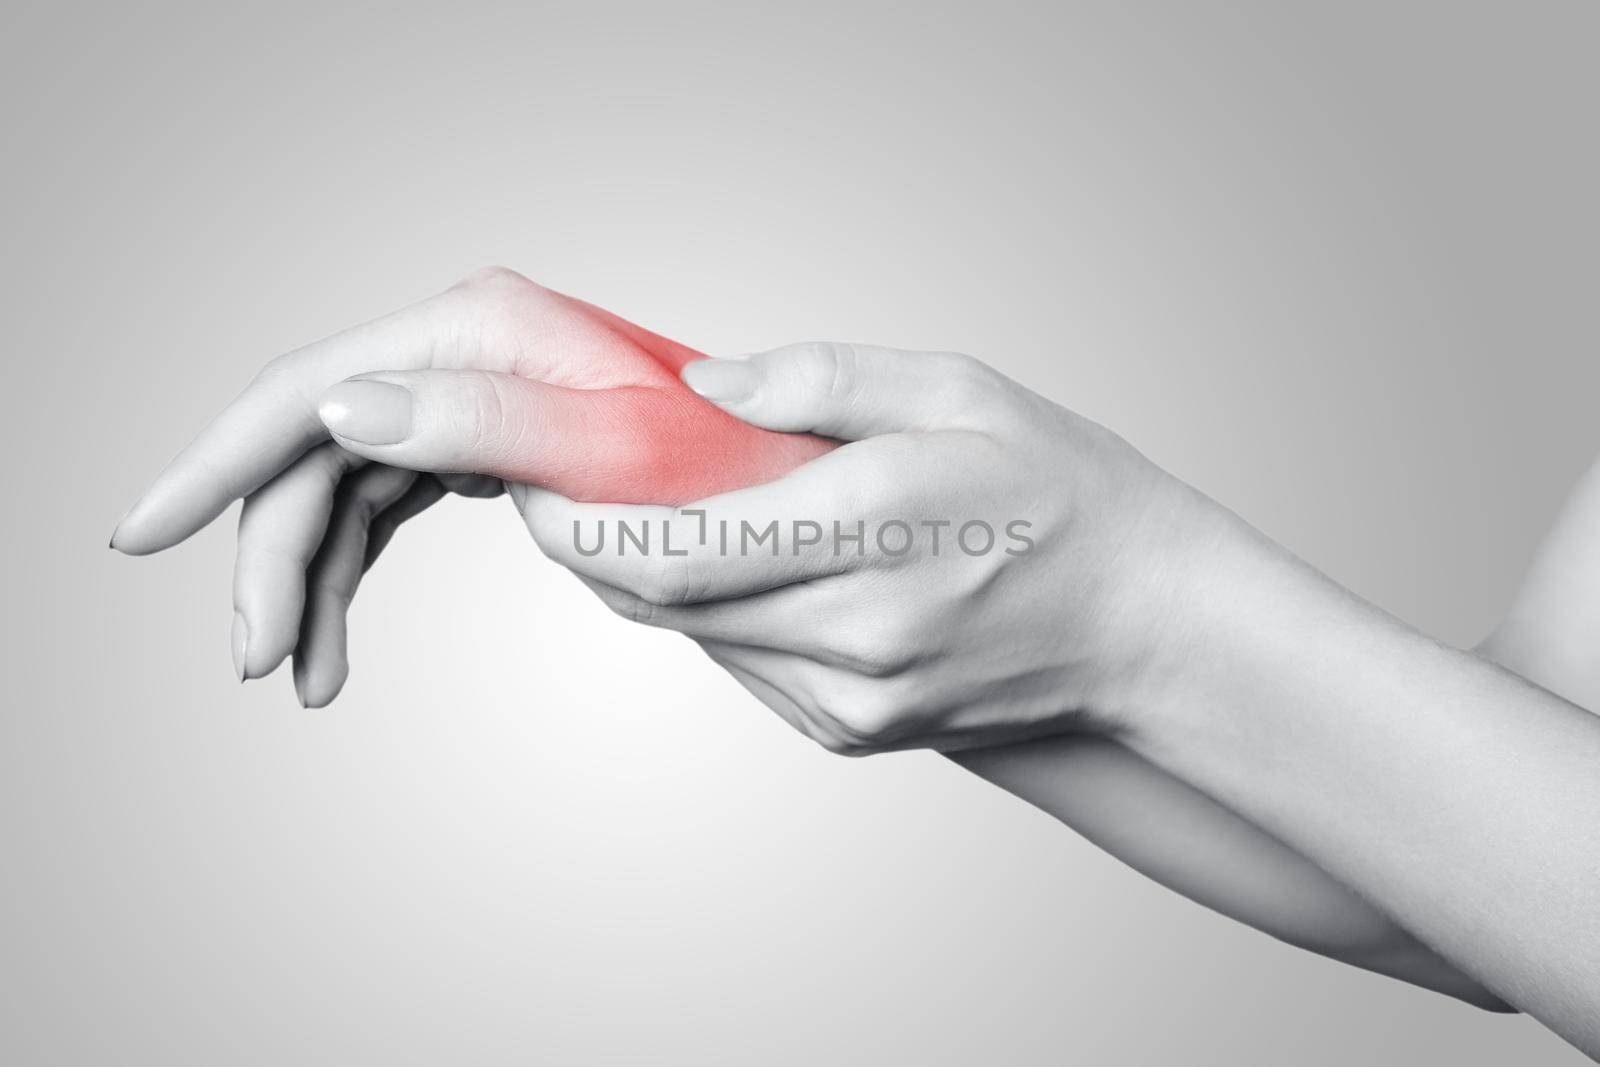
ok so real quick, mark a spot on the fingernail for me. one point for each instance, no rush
(117, 529)
(723, 381)
(300, 688)
(367, 412)
(241, 644)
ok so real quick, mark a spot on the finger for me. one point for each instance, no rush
(803, 620)
(759, 674)
(792, 530)
(321, 663)
(280, 529)
(477, 486)
(269, 425)
(787, 684)
(425, 492)
(630, 444)
(848, 391)
(764, 619)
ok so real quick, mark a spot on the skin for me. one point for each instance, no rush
(1187, 841)
(1549, 634)
(599, 410)
(1098, 638)
(1454, 796)
(1182, 838)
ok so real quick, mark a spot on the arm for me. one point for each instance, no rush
(1273, 878)
(1150, 820)
(1178, 836)
(1183, 839)
(1551, 635)
(1454, 795)
(1448, 792)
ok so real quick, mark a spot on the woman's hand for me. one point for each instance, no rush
(553, 391)
(1036, 595)
(1452, 795)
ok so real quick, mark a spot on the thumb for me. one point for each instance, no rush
(843, 390)
(573, 440)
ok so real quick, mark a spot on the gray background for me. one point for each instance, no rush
(1334, 264)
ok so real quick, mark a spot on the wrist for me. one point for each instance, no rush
(1215, 611)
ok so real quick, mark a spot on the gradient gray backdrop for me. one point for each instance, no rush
(1334, 264)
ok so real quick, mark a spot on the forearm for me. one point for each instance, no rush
(1185, 840)
(1181, 838)
(1454, 795)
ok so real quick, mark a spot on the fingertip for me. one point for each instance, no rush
(268, 607)
(320, 667)
(317, 703)
(331, 687)
(131, 539)
(240, 644)
(271, 663)
(157, 521)
(722, 381)
(316, 688)
(134, 546)
(367, 411)
(261, 658)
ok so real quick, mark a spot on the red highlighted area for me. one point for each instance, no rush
(607, 418)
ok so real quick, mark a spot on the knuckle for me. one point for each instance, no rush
(874, 651)
(327, 464)
(877, 488)
(323, 589)
(483, 411)
(287, 377)
(274, 368)
(638, 610)
(667, 582)
(970, 380)
(822, 702)
(838, 744)
(489, 303)
(866, 717)
(827, 368)
(482, 406)
(626, 605)
(836, 365)
(361, 508)
(493, 278)
(962, 367)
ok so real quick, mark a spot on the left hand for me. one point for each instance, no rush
(494, 378)
(1051, 616)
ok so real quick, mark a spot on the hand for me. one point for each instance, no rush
(1046, 607)
(1453, 796)
(555, 391)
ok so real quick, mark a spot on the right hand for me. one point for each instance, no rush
(1020, 571)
